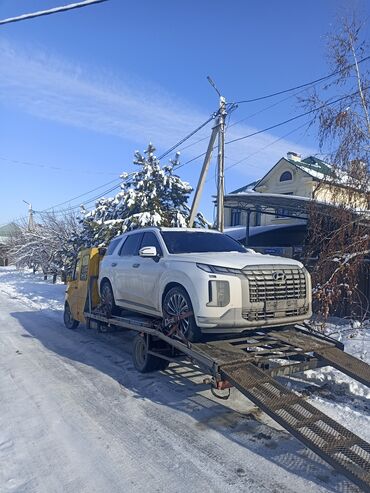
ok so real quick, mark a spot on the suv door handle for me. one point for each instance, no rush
(135, 266)
(114, 264)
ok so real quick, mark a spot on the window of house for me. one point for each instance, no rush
(235, 217)
(286, 176)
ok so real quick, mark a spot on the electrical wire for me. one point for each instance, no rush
(118, 186)
(81, 195)
(301, 85)
(232, 165)
(329, 103)
(56, 168)
(76, 5)
(212, 117)
(292, 119)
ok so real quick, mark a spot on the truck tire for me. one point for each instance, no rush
(69, 321)
(143, 361)
(107, 299)
(177, 301)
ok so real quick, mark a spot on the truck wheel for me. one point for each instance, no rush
(143, 361)
(177, 301)
(107, 299)
(69, 321)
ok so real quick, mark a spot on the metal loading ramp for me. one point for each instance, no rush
(351, 366)
(328, 354)
(341, 448)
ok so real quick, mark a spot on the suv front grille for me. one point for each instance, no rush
(274, 283)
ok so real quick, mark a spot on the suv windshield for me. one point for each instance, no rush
(191, 241)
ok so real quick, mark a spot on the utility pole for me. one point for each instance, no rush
(221, 165)
(31, 222)
(203, 174)
(218, 130)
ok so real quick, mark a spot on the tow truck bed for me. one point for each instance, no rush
(250, 363)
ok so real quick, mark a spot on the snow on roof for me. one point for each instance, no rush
(249, 187)
(252, 193)
(312, 165)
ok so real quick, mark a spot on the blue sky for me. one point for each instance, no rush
(81, 91)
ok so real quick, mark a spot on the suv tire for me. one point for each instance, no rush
(107, 299)
(177, 301)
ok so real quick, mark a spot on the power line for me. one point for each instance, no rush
(232, 165)
(265, 108)
(301, 85)
(212, 117)
(112, 181)
(78, 206)
(76, 5)
(56, 168)
(272, 126)
(118, 186)
(233, 124)
(291, 119)
(81, 195)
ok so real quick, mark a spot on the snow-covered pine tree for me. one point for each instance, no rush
(151, 196)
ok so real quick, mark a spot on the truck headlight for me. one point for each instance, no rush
(218, 293)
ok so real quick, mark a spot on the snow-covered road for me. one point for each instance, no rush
(75, 416)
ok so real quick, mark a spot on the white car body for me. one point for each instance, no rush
(260, 291)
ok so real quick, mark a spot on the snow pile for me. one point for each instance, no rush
(31, 290)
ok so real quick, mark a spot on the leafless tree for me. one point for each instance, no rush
(340, 241)
(48, 246)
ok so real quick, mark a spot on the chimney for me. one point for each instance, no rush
(294, 156)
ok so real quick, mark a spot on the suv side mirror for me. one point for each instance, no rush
(148, 251)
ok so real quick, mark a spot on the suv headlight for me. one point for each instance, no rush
(215, 269)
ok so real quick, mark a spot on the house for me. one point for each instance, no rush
(271, 215)
(309, 178)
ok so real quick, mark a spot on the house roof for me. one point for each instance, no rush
(246, 188)
(311, 165)
(292, 204)
(315, 167)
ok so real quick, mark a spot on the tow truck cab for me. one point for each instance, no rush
(77, 297)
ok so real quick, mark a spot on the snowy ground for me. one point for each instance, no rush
(76, 417)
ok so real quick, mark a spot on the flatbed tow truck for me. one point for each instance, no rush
(250, 362)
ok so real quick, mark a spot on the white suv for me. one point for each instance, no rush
(159, 271)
